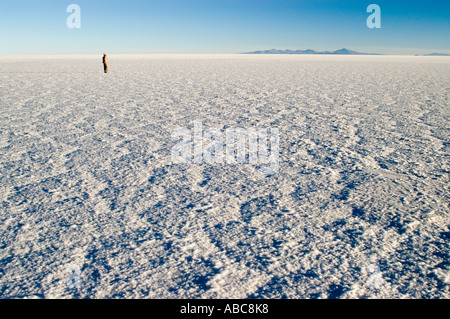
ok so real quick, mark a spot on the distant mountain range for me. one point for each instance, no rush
(341, 52)
(438, 54)
(310, 51)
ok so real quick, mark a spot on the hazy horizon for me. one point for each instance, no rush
(372, 54)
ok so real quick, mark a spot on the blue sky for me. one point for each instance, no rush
(222, 26)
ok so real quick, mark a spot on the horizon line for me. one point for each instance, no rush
(444, 54)
(420, 52)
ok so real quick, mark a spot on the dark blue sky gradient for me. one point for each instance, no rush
(222, 26)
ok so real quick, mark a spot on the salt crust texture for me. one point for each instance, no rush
(87, 179)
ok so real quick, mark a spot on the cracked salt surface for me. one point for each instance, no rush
(358, 209)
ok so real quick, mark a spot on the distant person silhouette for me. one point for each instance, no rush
(105, 62)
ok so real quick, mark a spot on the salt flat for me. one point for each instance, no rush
(359, 207)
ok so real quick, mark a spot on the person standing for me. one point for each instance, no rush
(105, 62)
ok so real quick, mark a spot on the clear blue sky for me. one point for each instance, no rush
(222, 26)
